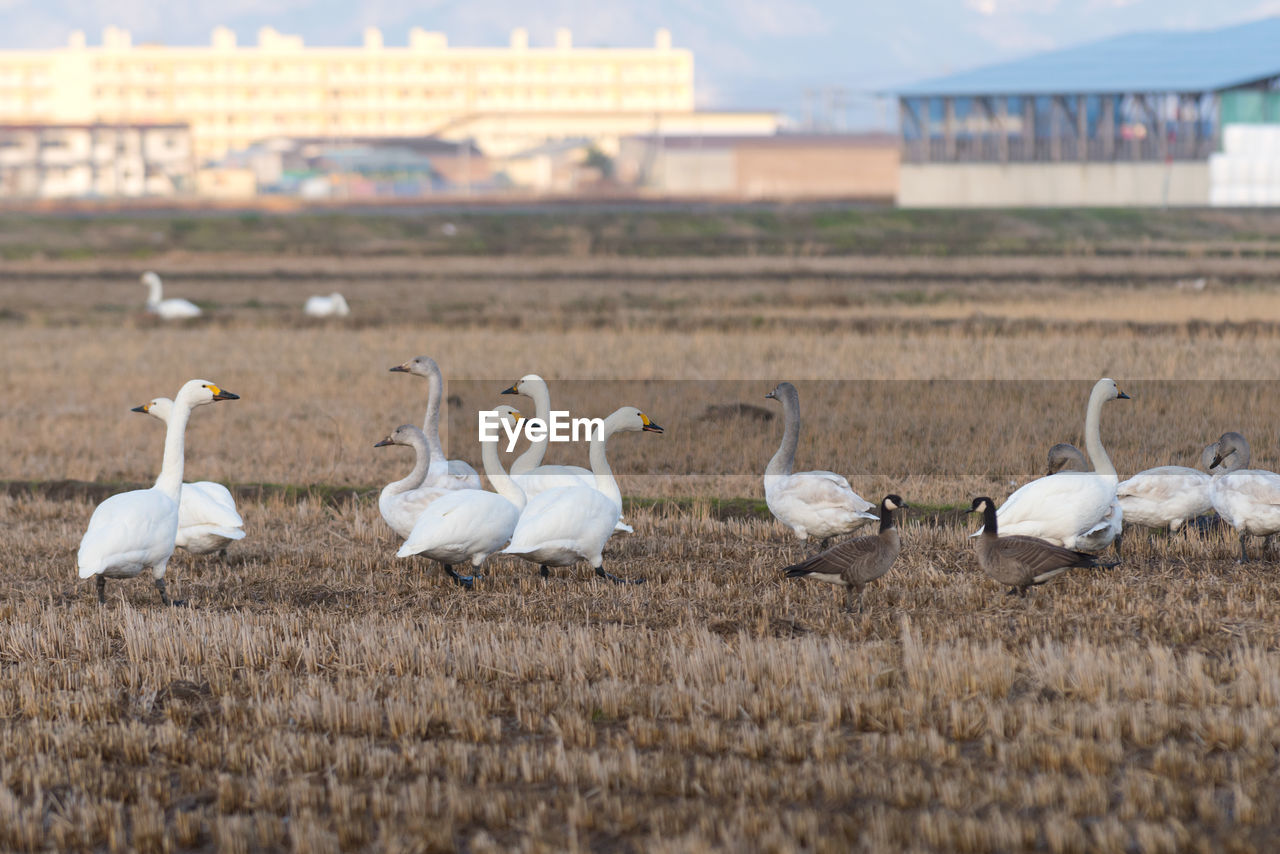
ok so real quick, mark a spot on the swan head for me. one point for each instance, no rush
(630, 419)
(199, 392)
(423, 366)
(783, 391)
(1228, 444)
(1107, 388)
(150, 279)
(892, 502)
(1066, 457)
(1206, 456)
(405, 434)
(157, 407)
(509, 414)
(522, 385)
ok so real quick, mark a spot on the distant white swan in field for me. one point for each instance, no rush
(334, 305)
(442, 472)
(1248, 499)
(562, 526)
(818, 504)
(402, 501)
(469, 524)
(136, 530)
(169, 309)
(534, 477)
(207, 516)
(1167, 496)
(1076, 510)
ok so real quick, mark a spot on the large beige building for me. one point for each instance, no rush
(504, 99)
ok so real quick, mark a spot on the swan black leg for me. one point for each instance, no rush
(1244, 555)
(1117, 542)
(608, 576)
(544, 572)
(102, 589)
(164, 595)
(467, 581)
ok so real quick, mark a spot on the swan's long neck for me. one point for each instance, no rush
(785, 459)
(532, 458)
(1092, 436)
(153, 288)
(431, 422)
(502, 482)
(605, 481)
(422, 461)
(170, 480)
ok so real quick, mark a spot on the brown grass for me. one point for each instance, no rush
(321, 695)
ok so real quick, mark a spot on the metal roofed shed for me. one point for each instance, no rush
(1153, 99)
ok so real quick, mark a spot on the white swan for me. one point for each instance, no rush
(527, 468)
(1249, 499)
(169, 309)
(207, 516)
(562, 526)
(133, 531)
(1077, 510)
(402, 501)
(334, 305)
(532, 476)
(1167, 496)
(469, 524)
(442, 472)
(811, 503)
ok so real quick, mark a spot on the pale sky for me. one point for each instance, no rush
(748, 53)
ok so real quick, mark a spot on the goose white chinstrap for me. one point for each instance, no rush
(1248, 499)
(334, 305)
(469, 524)
(402, 501)
(562, 526)
(207, 517)
(1075, 510)
(134, 531)
(442, 472)
(528, 470)
(169, 309)
(818, 504)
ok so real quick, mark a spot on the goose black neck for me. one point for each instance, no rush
(886, 518)
(989, 520)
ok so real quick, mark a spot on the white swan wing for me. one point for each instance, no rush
(546, 478)
(128, 532)
(458, 474)
(175, 309)
(561, 523)
(401, 511)
(207, 503)
(1249, 500)
(1165, 495)
(1059, 507)
(462, 524)
(818, 503)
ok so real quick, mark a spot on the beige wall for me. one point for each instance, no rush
(815, 171)
(967, 185)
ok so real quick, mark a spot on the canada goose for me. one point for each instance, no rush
(859, 561)
(811, 503)
(1077, 510)
(443, 473)
(169, 309)
(1249, 499)
(136, 530)
(1021, 561)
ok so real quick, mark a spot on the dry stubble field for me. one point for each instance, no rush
(320, 695)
